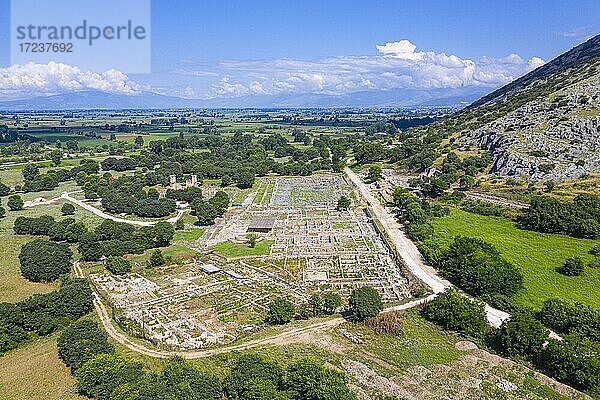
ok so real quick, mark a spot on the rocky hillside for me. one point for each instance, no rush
(546, 124)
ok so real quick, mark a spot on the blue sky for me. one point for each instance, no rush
(233, 48)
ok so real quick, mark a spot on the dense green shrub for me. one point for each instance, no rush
(44, 261)
(453, 311)
(521, 335)
(81, 341)
(478, 268)
(365, 302)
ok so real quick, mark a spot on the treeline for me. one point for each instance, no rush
(118, 164)
(49, 260)
(103, 375)
(42, 314)
(116, 239)
(579, 218)
(416, 213)
(453, 170)
(34, 181)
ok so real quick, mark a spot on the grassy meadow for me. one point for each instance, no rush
(538, 255)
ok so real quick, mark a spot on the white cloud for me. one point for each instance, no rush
(33, 79)
(402, 49)
(399, 65)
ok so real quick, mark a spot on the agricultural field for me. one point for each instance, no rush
(538, 255)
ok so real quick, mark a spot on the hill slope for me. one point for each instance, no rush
(544, 125)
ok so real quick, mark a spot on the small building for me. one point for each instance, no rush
(261, 225)
(209, 268)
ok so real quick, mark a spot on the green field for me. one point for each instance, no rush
(13, 287)
(188, 234)
(536, 254)
(229, 249)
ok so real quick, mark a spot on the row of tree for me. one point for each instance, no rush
(42, 314)
(103, 375)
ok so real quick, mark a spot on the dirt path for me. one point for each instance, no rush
(409, 251)
(102, 214)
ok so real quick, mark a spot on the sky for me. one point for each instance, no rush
(208, 49)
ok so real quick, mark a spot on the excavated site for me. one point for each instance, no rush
(213, 299)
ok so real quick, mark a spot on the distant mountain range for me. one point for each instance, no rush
(86, 100)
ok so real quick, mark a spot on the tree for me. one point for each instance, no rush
(220, 202)
(139, 141)
(205, 212)
(575, 360)
(163, 233)
(44, 261)
(30, 171)
(343, 203)
(225, 180)
(573, 266)
(81, 341)
(179, 224)
(67, 209)
(315, 302)
(306, 379)
(245, 179)
(374, 173)
(89, 248)
(15, 202)
(452, 310)
(520, 335)
(478, 268)
(183, 381)
(261, 389)
(2, 212)
(365, 302)
(99, 376)
(56, 157)
(251, 367)
(4, 189)
(331, 302)
(156, 259)
(280, 311)
(252, 238)
(118, 265)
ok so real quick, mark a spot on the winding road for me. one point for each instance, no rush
(100, 213)
(409, 251)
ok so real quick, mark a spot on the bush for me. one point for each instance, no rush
(478, 268)
(365, 302)
(307, 379)
(520, 335)
(251, 366)
(15, 202)
(567, 317)
(118, 265)
(453, 311)
(81, 341)
(281, 311)
(573, 266)
(575, 360)
(99, 376)
(67, 209)
(44, 261)
(156, 259)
